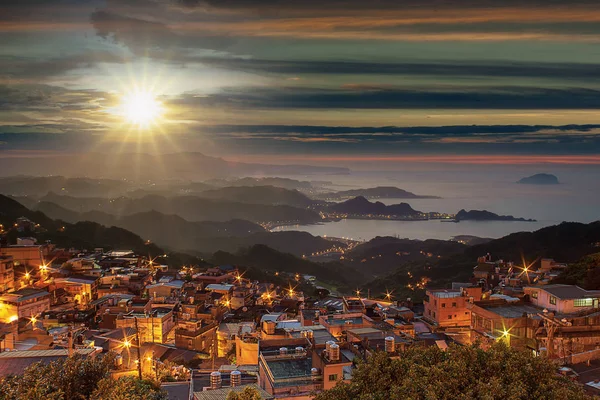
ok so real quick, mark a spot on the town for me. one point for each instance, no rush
(204, 331)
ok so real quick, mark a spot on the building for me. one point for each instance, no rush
(16, 362)
(563, 298)
(23, 303)
(32, 256)
(154, 327)
(196, 335)
(82, 289)
(7, 274)
(448, 307)
(338, 324)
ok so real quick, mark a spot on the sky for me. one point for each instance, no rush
(325, 81)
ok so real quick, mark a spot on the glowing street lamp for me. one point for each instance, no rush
(126, 343)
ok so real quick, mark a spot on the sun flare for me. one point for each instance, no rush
(141, 108)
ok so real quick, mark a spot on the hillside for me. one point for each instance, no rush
(390, 192)
(566, 242)
(361, 206)
(269, 195)
(176, 233)
(82, 235)
(584, 273)
(266, 259)
(383, 255)
(190, 208)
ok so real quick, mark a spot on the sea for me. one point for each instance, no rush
(472, 187)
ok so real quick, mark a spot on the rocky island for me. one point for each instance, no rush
(539, 179)
(484, 215)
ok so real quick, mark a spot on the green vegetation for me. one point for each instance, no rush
(461, 373)
(249, 393)
(584, 273)
(76, 378)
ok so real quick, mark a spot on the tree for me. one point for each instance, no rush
(70, 378)
(249, 393)
(128, 388)
(460, 372)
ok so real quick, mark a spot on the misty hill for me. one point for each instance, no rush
(377, 192)
(176, 233)
(484, 215)
(270, 195)
(286, 183)
(539, 179)
(191, 208)
(140, 167)
(40, 186)
(82, 235)
(361, 206)
(566, 242)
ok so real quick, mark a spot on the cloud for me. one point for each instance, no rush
(498, 98)
(441, 68)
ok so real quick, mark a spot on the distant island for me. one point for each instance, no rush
(390, 192)
(361, 206)
(540, 179)
(484, 215)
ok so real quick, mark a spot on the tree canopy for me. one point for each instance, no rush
(460, 372)
(75, 378)
(249, 393)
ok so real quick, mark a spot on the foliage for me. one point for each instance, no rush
(585, 273)
(75, 378)
(460, 372)
(249, 393)
(128, 388)
(70, 378)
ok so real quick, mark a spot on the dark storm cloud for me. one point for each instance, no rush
(473, 68)
(500, 98)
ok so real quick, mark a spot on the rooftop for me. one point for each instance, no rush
(444, 293)
(565, 292)
(291, 368)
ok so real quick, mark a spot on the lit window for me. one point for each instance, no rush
(534, 295)
(454, 305)
(583, 302)
(552, 300)
(332, 377)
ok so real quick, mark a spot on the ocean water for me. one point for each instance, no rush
(472, 187)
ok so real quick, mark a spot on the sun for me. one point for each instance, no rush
(141, 108)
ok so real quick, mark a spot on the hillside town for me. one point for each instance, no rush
(204, 331)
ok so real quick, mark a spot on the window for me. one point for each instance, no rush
(454, 304)
(583, 302)
(332, 377)
(534, 295)
(443, 305)
(449, 316)
(434, 314)
(552, 300)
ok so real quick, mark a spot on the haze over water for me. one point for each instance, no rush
(474, 187)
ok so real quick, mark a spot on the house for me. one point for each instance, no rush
(196, 335)
(7, 273)
(448, 307)
(563, 298)
(23, 303)
(338, 324)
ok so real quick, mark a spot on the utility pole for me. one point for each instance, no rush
(139, 344)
